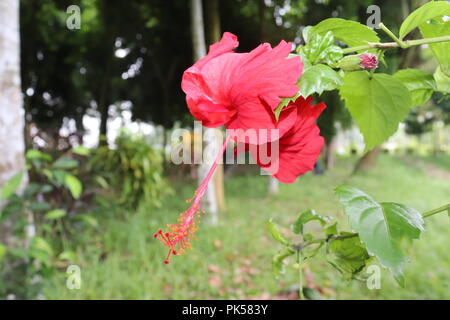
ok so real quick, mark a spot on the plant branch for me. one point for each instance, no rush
(299, 247)
(300, 274)
(387, 45)
(400, 43)
(437, 210)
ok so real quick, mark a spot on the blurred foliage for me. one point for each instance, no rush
(137, 51)
(51, 209)
(133, 168)
(421, 120)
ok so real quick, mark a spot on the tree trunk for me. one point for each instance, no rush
(213, 19)
(12, 144)
(198, 35)
(273, 185)
(330, 154)
(199, 51)
(103, 105)
(368, 160)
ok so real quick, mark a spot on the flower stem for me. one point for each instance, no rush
(300, 275)
(400, 43)
(437, 210)
(406, 44)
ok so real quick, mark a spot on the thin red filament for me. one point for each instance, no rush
(179, 235)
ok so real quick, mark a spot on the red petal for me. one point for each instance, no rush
(299, 148)
(241, 90)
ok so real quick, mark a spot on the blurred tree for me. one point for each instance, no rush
(210, 134)
(213, 35)
(12, 160)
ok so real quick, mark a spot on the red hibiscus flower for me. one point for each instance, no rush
(298, 149)
(241, 90)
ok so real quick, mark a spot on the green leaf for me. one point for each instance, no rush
(11, 186)
(311, 294)
(377, 102)
(321, 48)
(315, 79)
(421, 15)
(18, 253)
(442, 80)
(39, 206)
(74, 185)
(274, 231)
(67, 255)
(307, 33)
(277, 261)
(350, 32)
(381, 226)
(331, 229)
(34, 154)
(319, 78)
(55, 214)
(420, 83)
(441, 51)
(348, 255)
(65, 163)
(88, 219)
(311, 251)
(82, 151)
(3, 251)
(41, 250)
(305, 217)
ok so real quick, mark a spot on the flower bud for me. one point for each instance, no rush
(365, 61)
(368, 61)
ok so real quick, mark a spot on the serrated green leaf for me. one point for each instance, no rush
(421, 84)
(275, 232)
(10, 187)
(381, 226)
(319, 78)
(441, 51)
(350, 32)
(442, 80)
(349, 255)
(377, 103)
(421, 15)
(321, 48)
(277, 261)
(74, 185)
(305, 217)
(55, 214)
(315, 79)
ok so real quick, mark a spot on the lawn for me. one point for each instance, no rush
(121, 260)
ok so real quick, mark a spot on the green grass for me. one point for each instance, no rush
(121, 260)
